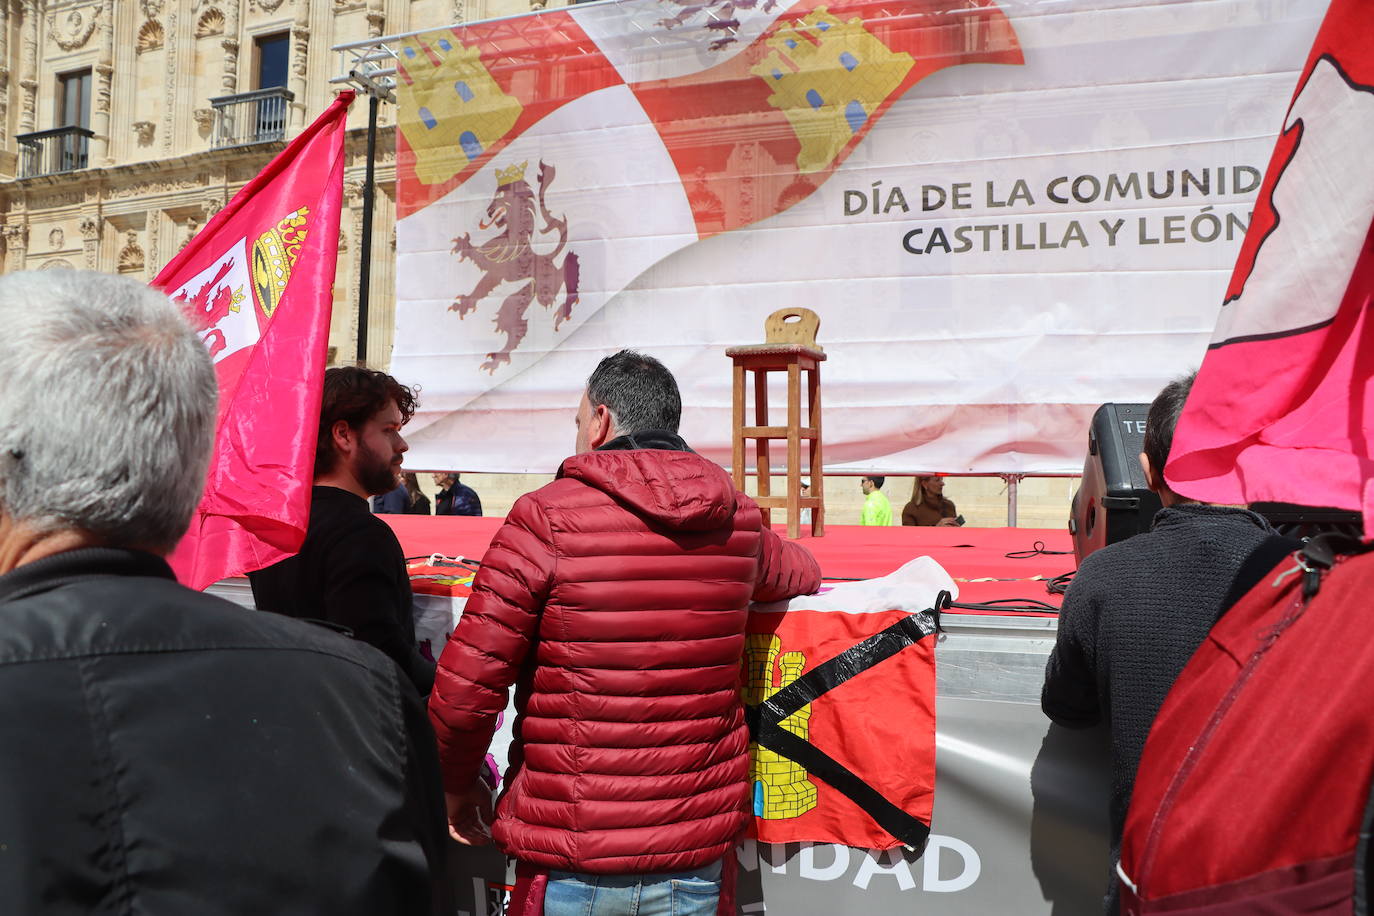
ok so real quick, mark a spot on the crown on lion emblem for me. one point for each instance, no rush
(511, 175)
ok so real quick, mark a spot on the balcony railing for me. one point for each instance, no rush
(251, 117)
(46, 152)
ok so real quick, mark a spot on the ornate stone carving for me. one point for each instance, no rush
(90, 240)
(26, 104)
(58, 264)
(229, 81)
(16, 236)
(151, 259)
(211, 22)
(459, 11)
(76, 28)
(300, 48)
(205, 119)
(144, 129)
(150, 36)
(103, 74)
(267, 6)
(57, 239)
(538, 4)
(28, 68)
(353, 190)
(160, 186)
(169, 104)
(192, 227)
(211, 207)
(150, 8)
(131, 255)
(52, 201)
(343, 241)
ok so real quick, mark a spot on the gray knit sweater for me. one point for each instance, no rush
(1135, 613)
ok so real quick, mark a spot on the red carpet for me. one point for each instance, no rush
(846, 552)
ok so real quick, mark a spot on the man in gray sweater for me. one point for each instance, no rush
(1138, 609)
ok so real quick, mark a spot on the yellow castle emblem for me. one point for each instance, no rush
(274, 255)
(452, 110)
(781, 787)
(828, 77)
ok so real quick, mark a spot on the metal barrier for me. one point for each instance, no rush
(251, 117)
(59, 149)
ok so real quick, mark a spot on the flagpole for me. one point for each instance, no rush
(365, 268)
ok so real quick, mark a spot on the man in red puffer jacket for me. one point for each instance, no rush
(615, 599)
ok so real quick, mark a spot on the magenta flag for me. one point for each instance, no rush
(1282, 408)
(258, 280)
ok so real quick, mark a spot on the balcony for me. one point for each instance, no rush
(47, 152)
(251, 117)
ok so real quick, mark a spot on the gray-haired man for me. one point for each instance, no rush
(163, 751)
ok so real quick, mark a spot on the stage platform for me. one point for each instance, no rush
(976, 558)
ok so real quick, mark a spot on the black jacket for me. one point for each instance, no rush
(166, 752)
(1135, 613)
(350, 572)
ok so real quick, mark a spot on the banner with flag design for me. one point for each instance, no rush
(1005, 213)
(258, 280)
(1283, 406)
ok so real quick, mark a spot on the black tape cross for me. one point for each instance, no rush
(765, 723)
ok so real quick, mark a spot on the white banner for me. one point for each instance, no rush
(1024, 210)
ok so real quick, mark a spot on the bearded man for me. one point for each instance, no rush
(351, 571)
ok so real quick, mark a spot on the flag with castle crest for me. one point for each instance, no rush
(1282, 409)
(839, 693)
(258, 280)
(545, 162)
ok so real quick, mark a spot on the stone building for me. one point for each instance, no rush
(125, 125)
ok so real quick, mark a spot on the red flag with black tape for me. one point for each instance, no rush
(841, 708)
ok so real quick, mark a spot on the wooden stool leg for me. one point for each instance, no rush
(737, 439)
(762, 468)
(813, 379)
(793, 450)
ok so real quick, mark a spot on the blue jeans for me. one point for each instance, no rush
(685, 893)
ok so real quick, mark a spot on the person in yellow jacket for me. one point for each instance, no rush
(877, 510)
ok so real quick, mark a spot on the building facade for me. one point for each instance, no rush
(125, 126)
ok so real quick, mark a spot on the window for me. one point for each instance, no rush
(272, 52)
(74, 99)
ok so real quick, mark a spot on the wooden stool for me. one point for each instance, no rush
(790, 347)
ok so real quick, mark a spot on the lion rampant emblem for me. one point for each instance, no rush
(509, 257)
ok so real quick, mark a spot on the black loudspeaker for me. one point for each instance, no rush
(1114, 501)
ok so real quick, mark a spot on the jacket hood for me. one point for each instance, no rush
(660, 479)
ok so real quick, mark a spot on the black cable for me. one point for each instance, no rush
(1021, 605)
(1036, 550)
(1060, 584)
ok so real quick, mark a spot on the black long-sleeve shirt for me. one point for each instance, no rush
(350, 572)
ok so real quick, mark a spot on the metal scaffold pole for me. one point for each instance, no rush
(369, 68)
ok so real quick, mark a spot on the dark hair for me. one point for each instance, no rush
(1163, 417)
(877, 481)
(638, 390)
(355, 395)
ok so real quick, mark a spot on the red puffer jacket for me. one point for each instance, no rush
(616, 596)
